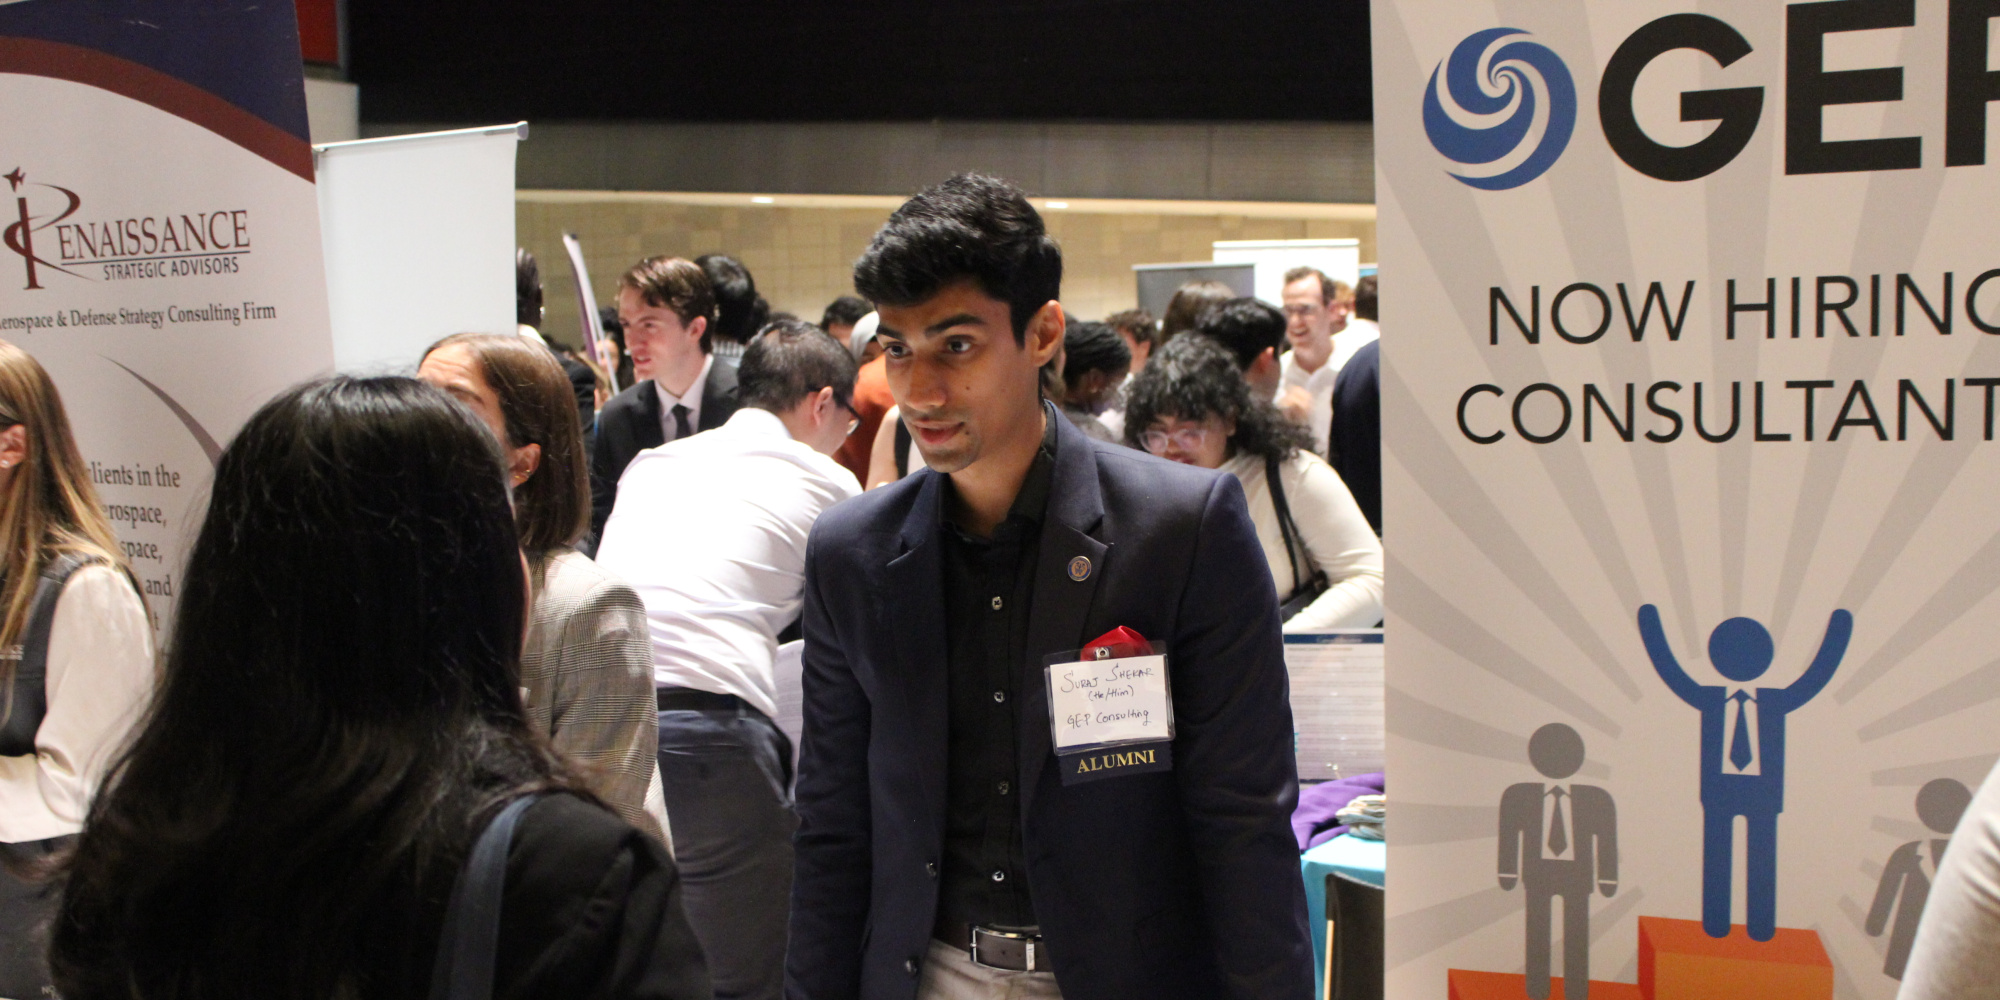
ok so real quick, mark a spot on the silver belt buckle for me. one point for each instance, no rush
(1027, 946)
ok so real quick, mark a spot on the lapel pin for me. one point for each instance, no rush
(1079, 568)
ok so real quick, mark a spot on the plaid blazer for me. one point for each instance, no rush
(587, 680)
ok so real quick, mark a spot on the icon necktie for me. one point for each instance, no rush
(1739, 741)
(1558, 832)
(681, 428)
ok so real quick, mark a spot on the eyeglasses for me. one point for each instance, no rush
(855, 423)
(1186, 439)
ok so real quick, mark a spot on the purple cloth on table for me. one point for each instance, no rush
(1313, 821)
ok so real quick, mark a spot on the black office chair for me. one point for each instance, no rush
(1355, 910)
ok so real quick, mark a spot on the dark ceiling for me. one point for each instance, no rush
(873, 60)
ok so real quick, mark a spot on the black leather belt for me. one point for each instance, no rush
(679, 699)
(1009, 951)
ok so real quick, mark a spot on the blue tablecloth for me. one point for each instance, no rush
(1347, 856)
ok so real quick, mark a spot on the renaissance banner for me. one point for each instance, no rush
(162, 251)
(1693, 341)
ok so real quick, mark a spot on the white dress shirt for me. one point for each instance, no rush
(1319, 416)
(711, 532)
(1358, 334)
(1333, 534)
(100, 678)
(690, 399)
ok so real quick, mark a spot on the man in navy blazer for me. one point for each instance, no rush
(1156, 884)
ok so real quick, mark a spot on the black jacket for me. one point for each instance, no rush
(630, 424)
(592, 909)
(1182, 883)
(1355, 450)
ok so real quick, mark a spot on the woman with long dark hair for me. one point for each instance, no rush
(340, 717)
(76, 656)
(1191, 405)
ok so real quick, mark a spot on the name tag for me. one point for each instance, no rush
(1110, 717)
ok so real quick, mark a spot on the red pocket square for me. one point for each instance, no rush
(1118, 643)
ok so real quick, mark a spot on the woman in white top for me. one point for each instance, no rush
(1191, 405)
(72, 684)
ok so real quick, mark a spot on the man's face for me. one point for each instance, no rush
(957, 374)
(1311, 322)
(655, 336)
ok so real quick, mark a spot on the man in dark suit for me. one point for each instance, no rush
(943, 849)
(666, 306)
(1354, 446)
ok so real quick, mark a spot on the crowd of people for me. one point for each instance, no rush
(477, 672)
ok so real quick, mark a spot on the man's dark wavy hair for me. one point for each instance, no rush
(971, 226)
(1193, 377)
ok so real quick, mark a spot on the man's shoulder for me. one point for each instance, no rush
(875, 514)
(630, 400)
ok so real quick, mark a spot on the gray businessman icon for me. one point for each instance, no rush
(1558, 839)
(1906, 879)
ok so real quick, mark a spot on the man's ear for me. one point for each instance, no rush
(697, 326)
(1045, 332)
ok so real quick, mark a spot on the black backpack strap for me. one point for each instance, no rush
(1286, 526)
(470, 937)
(28, 702)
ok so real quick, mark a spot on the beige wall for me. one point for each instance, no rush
(802, 256)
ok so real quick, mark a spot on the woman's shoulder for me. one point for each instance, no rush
(571, 579)
(102, 587)
(564, 837)
(592, 908)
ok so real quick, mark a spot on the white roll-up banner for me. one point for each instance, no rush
(161, 253)
(419, 235)
(1691, 343)
(1689, 377)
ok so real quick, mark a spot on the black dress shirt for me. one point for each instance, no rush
(988, 587)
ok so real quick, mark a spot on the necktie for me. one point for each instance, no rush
(1558, 835)
(681, 428)
(1739, 741)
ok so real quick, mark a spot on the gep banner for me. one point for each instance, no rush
(1691, 364)
(161, 251)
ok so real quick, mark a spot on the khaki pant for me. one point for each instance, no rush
(949, 974)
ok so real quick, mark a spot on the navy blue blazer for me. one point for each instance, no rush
(1181, 883)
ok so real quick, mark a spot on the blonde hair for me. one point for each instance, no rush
(49, 508)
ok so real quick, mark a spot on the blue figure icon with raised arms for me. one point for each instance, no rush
(1742, 755)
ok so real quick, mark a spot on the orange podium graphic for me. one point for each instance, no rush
(1679, 961)
(1513, 986)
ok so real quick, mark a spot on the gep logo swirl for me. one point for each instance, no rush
(1512, 108)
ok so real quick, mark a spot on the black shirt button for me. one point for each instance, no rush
(930, 868)
(999, 876)
(998, 603)
(999, 696)
(910, 966)
(1005, 787)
